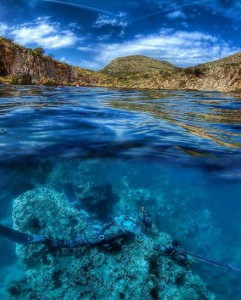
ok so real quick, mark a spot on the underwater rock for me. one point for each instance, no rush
(167, 200)
(98, 200)
(134, 270)
(80, 188)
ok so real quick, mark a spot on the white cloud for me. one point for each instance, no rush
(227, 8)
(3, 29)
(117, 23)
(64, 60)
(176, 15)
(44, 33)
(86, 48)
(180, 48)
(92, 65)
(109, 21)
(74, 25)
(105, 37)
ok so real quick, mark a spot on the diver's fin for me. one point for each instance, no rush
(20, 237)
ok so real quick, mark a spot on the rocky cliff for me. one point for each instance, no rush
(19, 65)
(222, 75)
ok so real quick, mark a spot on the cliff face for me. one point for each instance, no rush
(222, 75)
(19, 65)
(24, 66)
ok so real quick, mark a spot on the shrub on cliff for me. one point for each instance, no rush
(22, 79)
(194, 71)
(50, 55)
(49, 81)
(38, 51)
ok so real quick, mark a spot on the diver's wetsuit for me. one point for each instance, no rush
(95, 233)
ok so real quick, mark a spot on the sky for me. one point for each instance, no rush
(90, 33)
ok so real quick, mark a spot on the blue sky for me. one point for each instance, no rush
(90, 33)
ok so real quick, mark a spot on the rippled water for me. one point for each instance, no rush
(178, 152)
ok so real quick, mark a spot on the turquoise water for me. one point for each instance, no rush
(177, 153)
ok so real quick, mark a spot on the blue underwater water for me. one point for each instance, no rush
(176, 153)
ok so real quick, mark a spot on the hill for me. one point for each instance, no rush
(19, 65)
(135, 64)
(141, 72)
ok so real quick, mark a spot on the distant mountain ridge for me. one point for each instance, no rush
(19, 65)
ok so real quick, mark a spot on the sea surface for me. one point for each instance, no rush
(177, 152)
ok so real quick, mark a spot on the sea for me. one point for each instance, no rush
(176, 153)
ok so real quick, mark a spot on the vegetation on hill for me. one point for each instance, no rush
(137, 70)
(135, 64)
(142, 72)
(19, 65)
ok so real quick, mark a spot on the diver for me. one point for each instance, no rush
(96, 233)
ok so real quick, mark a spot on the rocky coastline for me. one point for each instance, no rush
(19, 65)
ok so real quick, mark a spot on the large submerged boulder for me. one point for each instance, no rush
(133, 270)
